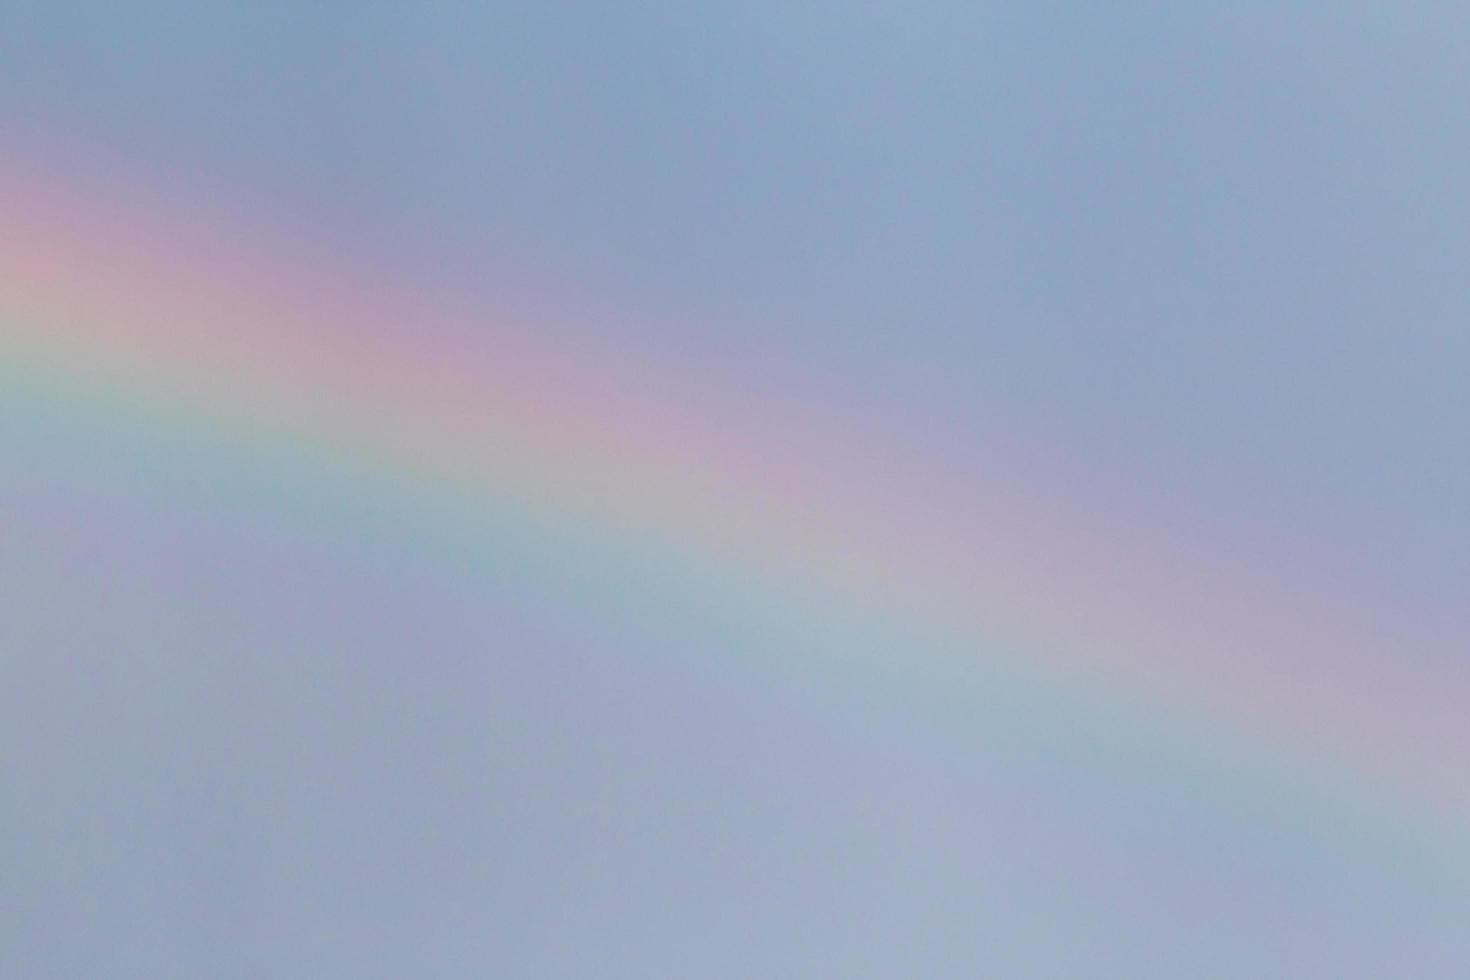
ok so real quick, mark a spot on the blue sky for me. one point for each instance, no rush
(1211, 255)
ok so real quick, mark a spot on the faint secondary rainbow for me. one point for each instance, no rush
(137, 302)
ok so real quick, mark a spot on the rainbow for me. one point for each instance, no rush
(123, 303)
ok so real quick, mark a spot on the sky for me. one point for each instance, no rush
(872, 489)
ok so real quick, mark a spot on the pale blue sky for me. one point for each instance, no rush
(1212, 254)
